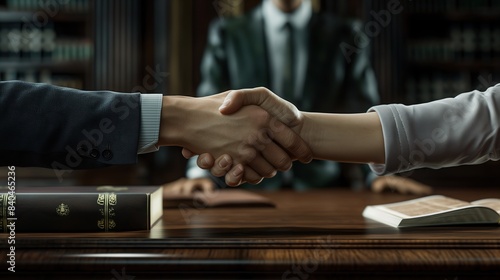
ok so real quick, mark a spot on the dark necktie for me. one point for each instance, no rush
(288, 86)
(288, 83)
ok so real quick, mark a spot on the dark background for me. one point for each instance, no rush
(430, 50)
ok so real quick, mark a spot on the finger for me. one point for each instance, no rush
(187, 153)
(262, 167)
(235, 176)
(222, 165)
(291, 142)
(400, 185)
(407, 185)
(251, 176)
(239, 174)
(277, 157)
(207, 185)
(205, 161)
(285, 111)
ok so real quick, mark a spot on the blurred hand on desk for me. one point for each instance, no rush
(188, 186)
(390, 183)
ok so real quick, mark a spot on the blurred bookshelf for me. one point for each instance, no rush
(453, 46)
(84, 44)
(49, 42)
(438, 49)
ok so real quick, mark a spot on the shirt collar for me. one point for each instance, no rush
(276, 19)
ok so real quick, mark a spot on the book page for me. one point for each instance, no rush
(492, 203)
(425, 206)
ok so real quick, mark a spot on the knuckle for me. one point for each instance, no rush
(248, 155)
(283, 163)
(269, 172)
(217, 172)
(262, 117)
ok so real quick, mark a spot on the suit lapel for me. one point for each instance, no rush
(259, 50)
(314, 57)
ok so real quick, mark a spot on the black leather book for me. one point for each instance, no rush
(80, 209)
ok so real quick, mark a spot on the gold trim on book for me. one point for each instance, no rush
(106, 200)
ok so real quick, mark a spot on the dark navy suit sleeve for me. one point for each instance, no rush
(48, 126)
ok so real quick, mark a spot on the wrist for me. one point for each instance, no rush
(172, 126)
(308, 131)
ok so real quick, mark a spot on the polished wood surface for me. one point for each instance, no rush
(310, 235)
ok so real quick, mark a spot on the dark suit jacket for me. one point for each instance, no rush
(47, 126)
(236, 57)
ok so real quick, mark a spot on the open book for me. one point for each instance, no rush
(435, 210)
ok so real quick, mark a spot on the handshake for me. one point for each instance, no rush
(250, 134)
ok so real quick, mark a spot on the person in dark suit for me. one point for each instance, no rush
(283, 45)
(62, 128)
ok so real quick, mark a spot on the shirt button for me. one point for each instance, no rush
(107, 154)
(94, 153)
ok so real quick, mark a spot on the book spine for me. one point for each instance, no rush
(3, 212)
(81, 212)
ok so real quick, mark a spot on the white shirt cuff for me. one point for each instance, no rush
(150, 122)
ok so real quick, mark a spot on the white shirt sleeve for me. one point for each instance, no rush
(150, 122)
(442, 133)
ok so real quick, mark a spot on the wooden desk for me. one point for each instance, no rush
(312, 235)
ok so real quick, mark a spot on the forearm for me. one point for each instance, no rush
(344, 137)
(442, 133)
(73, 129)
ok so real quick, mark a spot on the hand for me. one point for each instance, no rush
(251, 137)
(188, 186)
(400, 185)
(354, 138)
(279, 108)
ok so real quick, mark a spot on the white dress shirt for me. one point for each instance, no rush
(150, 122)
(442, 133)
(274, 24)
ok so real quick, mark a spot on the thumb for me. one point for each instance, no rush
(281, 109)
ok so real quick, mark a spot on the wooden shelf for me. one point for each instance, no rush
(478, 15)
(472, 65)
(76, 66)
(26, 16)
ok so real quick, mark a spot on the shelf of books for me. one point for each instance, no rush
(452, 47)
(46, 41)
(50, 42)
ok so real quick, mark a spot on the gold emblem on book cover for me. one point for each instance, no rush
(62, 209)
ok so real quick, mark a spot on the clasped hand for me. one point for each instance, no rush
(248, 143)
